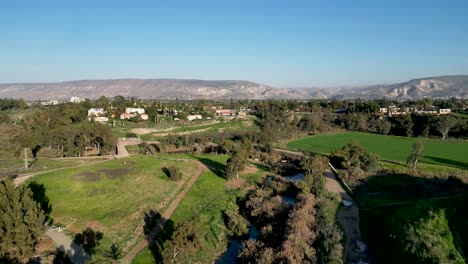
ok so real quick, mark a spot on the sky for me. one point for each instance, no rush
(284, 43)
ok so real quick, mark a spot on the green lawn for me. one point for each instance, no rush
(450, 153)
(204, 204)
(111, 196)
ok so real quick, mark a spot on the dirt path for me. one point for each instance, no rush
(76, 253)
(348, 218)
(166, 216)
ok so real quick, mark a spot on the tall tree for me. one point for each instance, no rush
(236, 163)
(21, 222)
(445, 124)
(415, 154)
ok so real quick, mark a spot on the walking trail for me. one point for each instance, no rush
(348, 217)
(166, 216)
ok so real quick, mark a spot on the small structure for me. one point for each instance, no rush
(226, 112)
(383, 110)
(242, 114)
(76, 99)
(100, 119)
(444, 111)
(133, 110)
(128, 116)
(96, 112)
(194, 117)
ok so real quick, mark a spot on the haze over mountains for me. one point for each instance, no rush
(434, 87)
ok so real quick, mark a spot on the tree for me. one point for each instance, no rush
(383, 126)
(184, 242)
(415, 154)
(21, 222)
(445, 124)
(235, 164)
(89, 239)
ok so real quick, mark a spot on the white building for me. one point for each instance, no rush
(96, 112)
(128, 116)
(76, 99)
(194, 117)
(444, 111)
(100, 119)
(132, 110)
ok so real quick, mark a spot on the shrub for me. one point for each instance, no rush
(173, 172)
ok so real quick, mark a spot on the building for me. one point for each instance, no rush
(76, 99)
(226, 112)
(96, 112)
(100, 119)
(128, 116)
(132, 110)
(383, 110)
(443, 111)
(194, 117)
(242, 114)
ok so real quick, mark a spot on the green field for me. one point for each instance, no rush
(450, 153)
(204, 204)
(112, 196)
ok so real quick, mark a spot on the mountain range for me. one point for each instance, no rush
(433, 87)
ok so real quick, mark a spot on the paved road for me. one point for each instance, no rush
(76, 253)
(166, 216)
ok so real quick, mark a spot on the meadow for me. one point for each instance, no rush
(450, 153)
(110, 197)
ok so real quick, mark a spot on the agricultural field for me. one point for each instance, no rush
(449, 153)
(204, 204)
(111, 197)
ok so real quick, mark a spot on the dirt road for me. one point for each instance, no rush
(165, 216)
(355, 250)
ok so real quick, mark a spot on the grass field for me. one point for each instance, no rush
(449, 153)
(112, 196)
(204, 204)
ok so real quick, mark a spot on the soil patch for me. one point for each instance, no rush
(88, 176)
(249, 170)
(45, 244)
(115, 173)
(236, 184)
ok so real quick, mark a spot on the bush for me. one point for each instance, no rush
(173, 173)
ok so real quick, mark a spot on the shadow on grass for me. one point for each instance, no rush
(40, 197)
(216, 167)
(153, 224)
(454, 163)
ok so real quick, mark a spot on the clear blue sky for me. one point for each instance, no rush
(282, 43)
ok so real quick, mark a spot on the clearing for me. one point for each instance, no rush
(112, 197)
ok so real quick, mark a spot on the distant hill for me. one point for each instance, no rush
(435, 87)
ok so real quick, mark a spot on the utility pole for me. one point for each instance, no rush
(26, 165)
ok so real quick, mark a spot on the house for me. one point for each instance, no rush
(96, 112)
(444, 111)
(226, 112)
(76, 99)
(128, 116)
(242, 114)
(383, 110)
(194, 117)
(133, 110)
(100, 119)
